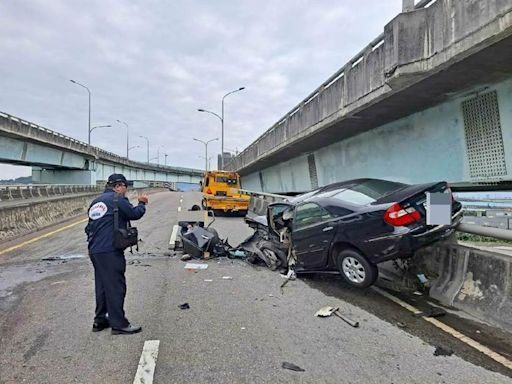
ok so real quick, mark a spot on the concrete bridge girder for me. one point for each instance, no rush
(423, 60)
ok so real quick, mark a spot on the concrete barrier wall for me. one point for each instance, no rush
(476, 281)
(32, 216)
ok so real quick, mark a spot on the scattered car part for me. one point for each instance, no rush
(292, 367)
(329, 311)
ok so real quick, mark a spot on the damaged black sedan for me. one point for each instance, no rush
(348, 227)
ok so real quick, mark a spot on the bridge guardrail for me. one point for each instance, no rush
(23, 192)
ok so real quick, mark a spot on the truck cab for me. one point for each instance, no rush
(221, 192)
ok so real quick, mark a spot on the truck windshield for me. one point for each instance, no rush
(225, 179)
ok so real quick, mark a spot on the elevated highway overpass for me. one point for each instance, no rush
(59, 159)
(428, 99)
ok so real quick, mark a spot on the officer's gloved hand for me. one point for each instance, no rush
(143, 199)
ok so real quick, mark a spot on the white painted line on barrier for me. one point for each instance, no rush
(179, 209)
(451, 331)
(174, 235)
(147, 362)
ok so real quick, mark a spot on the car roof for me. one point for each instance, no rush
(310, 196)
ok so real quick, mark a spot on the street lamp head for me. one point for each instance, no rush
(200, 110)
(73, 81)
(241, 88)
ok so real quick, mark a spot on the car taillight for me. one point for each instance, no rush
(209, 191)
(398, 216)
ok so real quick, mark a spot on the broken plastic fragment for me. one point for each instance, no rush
(196, 266)
(184, 306)
(422, 277)
(292, 367)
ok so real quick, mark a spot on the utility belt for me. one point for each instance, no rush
(124, 237)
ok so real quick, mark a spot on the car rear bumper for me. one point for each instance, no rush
(405, 242)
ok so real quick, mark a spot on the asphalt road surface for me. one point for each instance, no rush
(237, 330)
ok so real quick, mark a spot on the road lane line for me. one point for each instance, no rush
(451, 331)
(10, 249)
(179, 209)
(147, 362)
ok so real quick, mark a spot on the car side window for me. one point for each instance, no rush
(309, 214)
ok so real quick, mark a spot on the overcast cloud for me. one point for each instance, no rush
(153, 63)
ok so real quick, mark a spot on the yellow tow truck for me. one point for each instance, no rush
(221, 192)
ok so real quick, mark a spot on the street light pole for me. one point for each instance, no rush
(165, 163)
(147, 140)
(127, 135)
(89, 91)
(222, 143)
(128, 150)
(206, 150)
(93, 128)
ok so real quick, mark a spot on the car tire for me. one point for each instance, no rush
(279, 253)
(356, 269)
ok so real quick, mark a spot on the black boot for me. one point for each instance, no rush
(100, 325)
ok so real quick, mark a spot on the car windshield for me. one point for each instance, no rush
(364, 193)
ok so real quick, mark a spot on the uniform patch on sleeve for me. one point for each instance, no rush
(97, 211)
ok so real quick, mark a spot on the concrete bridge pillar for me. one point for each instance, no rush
(407, 5)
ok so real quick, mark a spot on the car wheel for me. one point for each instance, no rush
(277, 253)
(356, 269)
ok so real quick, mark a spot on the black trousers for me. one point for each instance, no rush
(110, 287)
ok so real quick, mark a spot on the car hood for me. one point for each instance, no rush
(262, 220)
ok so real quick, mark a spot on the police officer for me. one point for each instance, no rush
(109, 263)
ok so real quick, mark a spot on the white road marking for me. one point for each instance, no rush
(181, 201)
(465, 339)
(147, 362)
(174, 235)
(179, 209)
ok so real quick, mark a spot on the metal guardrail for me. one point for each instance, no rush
(497, 233)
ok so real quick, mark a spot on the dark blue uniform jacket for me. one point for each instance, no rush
(100, 229)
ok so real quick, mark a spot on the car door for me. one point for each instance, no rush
(312, 235)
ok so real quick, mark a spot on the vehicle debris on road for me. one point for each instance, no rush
(184, 306)
(193, 266)
(442, 351)
(329, 311)
(292, 367)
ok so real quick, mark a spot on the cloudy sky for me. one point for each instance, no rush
(152, 63)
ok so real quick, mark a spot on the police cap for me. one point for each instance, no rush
(118, 178)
